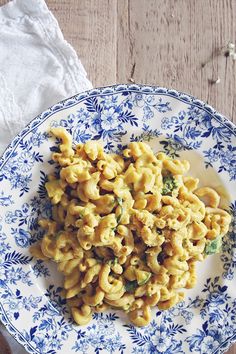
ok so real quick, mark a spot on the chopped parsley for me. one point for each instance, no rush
(81, 213)
(169, 184)
(112, 262)
(185, 242)
(131, 286)
(119, 216)
(213, 246)
(119, 201)
(142, 276)
(57, 235)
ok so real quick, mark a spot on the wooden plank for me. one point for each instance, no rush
(167, 42)
(232, 350)
(90, 26)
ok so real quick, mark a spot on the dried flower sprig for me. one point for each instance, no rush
(231, 51)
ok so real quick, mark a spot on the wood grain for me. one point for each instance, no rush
(178, 44)
(90, 26)
(4, 346)
(174, 43)
(169, 41)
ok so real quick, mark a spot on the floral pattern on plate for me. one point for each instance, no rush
(31, 298)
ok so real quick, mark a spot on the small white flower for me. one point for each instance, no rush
(105, 326)
(109, 119)
(231, 50)
(231, 46)
(161, 341)
(217, 81)
(208, 345)
(25, 161)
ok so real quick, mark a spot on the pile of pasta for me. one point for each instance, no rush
(126, 230)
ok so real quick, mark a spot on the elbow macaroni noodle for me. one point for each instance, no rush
(126, 231)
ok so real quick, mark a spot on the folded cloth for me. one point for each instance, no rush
(37, 69)
(37, 66)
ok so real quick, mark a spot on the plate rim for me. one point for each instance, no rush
(111, 89)
(74, 100)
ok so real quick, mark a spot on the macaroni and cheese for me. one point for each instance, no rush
(126, 230)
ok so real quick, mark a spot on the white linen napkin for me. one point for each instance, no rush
(37, 69)
(37, 66)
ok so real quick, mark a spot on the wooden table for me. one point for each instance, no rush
(173, 43)
(180, 44)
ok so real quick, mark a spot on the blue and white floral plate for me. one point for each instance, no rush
(31, 305)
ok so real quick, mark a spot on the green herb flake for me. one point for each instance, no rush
(185, 242)
(119, 216)
(119, 201)
(81, 213)
(57, 235)
(182, 259)
(169, 184)
(112, 262)
(213, 246)
(145, 280)
(112, 203)
(131, 286)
